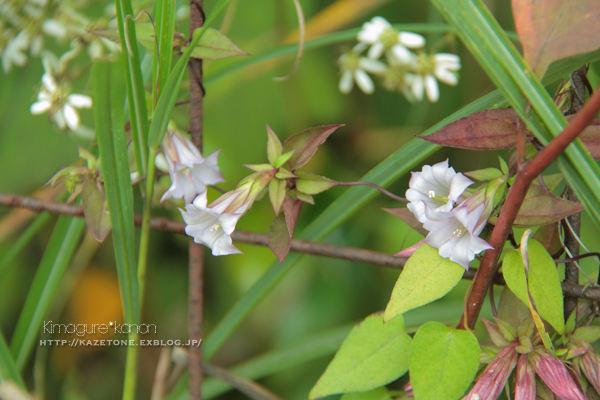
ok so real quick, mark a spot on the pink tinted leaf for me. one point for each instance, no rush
(291, 209)
(409, 218)
(554, 29)
(548, 236)
(279, 238)
(541, 207)
(555, 374)
(525, 387)
(409, 251)
(591, 137)
(95, 209)
(494, 377)
(511, 309)
(590, 364)
(483, 130)
(306, 144)
(495, 333)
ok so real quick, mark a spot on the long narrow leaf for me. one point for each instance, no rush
(56, 258)
(482, 34)
(383, 174)
(8, 369)
(167, 98)
(165, 28)
(136, 94)
(23, 240)
(108, 85)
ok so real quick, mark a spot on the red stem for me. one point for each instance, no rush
(525, 176)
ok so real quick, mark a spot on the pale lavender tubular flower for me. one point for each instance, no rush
(190, 172)
(456, 233)
(437, 186)
(492, 380)
(525, 387)
(212, 226)
(556, 376)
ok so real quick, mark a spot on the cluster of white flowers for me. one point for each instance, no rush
(411, 74)
(454, 221)
(61, 105)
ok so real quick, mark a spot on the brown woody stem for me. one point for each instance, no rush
(525, 176)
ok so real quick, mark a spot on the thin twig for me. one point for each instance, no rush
(196, 265)
(373, 185)
(162, 373)
(572, 268)
(525, 176)
(250, 388)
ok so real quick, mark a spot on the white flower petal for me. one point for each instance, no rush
(447, 59)
(403, 54)
(373, 66)
(49, 83)
(346, 82)
(418, 87)
(71, 116)
(359, 48)
(363, 81)
(446, 76)
(80, 101)
(376, 50)
(40, 107)
(224, 246)
(431, 88)
(53, 28)
(411, 40)
(59, 119)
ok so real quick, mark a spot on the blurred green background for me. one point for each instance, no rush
(319, 295)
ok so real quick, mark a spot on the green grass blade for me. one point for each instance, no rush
(56, 258)
(165, 28)
(167, 98)
(23, 240)
(8, 369)
(486, 40)
(383, 174)
(136, 94)
(326, 40)
(108, 92)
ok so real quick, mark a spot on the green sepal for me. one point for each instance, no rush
(307, 198)
(313, 184)
(274, 146)
(284, 174)
(259, 167)
(277, 194)
(503, 166)
(486, 174)
(282, 159)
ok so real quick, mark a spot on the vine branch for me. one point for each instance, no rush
(525, 176)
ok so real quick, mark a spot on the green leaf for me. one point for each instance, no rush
(306, 144)
(395, 166)
(282, 159)
(274, 146)
(511, 309)
(443, 362)
(426, 277)
(375, 394)
(408, 218)
(555, 29)
(307, 198)
(8, 369)
(214, 46)
(108, 116)
(136, 94)
(284, 174)
(589, 333)
(490, 45)
(486, 174)
(259, 167)
(165, 29)
(277, 194)
(279, 237)
(372, 355)
(544, 283)
(313, 184)
(95, 211)
(57, 256)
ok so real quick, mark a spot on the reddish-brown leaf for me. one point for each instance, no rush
(483, 130)
(554, 29)
(306, 143)
(409, 218)
(591, 137)
(541, 207)
(548, 236)
(291, 209)
(279, 238)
